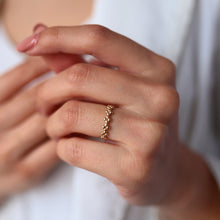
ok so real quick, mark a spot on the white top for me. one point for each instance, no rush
(188, 33)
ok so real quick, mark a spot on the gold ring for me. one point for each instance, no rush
(107, 120)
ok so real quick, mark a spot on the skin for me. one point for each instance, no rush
(144, 147)
(25, 159)
(143, 150)
(26, 153)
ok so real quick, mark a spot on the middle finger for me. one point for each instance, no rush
(91, 83)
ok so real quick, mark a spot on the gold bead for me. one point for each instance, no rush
(107, 120)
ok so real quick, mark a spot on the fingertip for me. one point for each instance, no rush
(28, 43)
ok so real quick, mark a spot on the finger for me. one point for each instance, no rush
(107, 86)
(91, 83)
(126, 128)
(101, 158)
(59, 61)
(88, 119)
(106, 45)
(21, 139)
(15, 79)
(38, 162)
(30, 169)
(18, 109)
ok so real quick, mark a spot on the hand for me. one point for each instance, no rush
(26, 153)
(143, 156)
(144, 122)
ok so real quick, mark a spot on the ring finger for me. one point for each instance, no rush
(88, 119)
(76, 117)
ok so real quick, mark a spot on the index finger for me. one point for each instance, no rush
(109, 47)
(15, 79)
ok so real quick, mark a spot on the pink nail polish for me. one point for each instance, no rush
(28, 43)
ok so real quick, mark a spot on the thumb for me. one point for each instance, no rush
(60, 61)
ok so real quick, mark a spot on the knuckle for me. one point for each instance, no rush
(97, 35)
(71, 151)
(78, 74)
(170, 66)
(70, 114)
(77, 152)
(166, 100)
(169, 71)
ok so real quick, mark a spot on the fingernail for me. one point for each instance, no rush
(28, 43)
(38, 28)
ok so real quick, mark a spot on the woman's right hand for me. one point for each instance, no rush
(26, 153)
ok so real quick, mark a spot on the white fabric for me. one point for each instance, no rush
(165, 27)
(197, 85)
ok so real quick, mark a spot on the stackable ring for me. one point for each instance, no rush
(106, 127)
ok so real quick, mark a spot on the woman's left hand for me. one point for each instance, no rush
(142, 155)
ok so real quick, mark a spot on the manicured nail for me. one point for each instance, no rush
(28, 43)
(39, 27)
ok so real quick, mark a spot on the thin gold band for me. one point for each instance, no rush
(107, 120)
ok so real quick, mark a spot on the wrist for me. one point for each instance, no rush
(196, 194)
